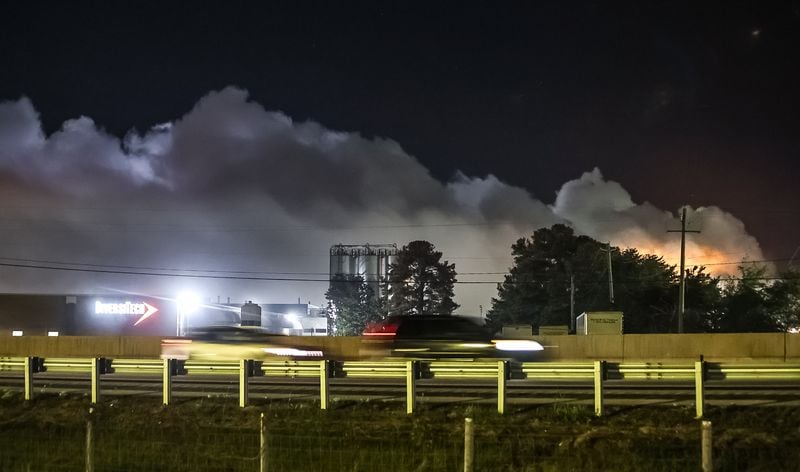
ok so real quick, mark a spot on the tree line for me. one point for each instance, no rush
(536, 291)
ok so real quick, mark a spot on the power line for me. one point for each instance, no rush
(289, 279)
(218, 271)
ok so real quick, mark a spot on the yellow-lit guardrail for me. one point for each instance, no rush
(728, 371)
(8, 364)
(598, 371)
(289, 368)
(558, 370)
(68, 364)
(651, 371)
(137, 366)
(211, 367)
(463, 369)
(375, 369)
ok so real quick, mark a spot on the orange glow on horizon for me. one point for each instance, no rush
(716, 261)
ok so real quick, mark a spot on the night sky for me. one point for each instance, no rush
(693, 103)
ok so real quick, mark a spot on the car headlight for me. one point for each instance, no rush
(518, 345)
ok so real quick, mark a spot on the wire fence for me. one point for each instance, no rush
(103, 442)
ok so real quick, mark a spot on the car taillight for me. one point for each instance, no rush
(381, 329)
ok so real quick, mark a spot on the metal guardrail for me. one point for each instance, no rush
(68, 364)
(464, 369)
(137, 366)
(558, 370)
(727, 371)
(8, 364)
(211, 367)
(374, 369)
(598, 371)
(291, 369)
(651, 371)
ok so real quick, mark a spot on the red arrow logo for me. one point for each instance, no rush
(148, 312)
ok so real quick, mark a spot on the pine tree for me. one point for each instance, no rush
(352, 305)
(420, 282)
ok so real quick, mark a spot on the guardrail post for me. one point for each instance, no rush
(244, 384)
(699, 388)
(166, 378)
(707, 458)
(97, 370)
(411, 386)
(502, 369)
(30, 364)
(323, 384)
(599, 374)
(469, 445)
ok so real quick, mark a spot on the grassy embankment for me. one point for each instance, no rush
(132, 434)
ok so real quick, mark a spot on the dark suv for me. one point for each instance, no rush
(433, 336)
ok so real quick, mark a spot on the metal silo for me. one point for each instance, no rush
(369, 261)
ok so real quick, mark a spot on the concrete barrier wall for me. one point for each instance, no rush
(793, 347)
(713, 347)
(81, 346)
(761, 347)
(597, 347)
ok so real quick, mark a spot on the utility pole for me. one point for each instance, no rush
(682, 293)
(610, 274)
(572, 301)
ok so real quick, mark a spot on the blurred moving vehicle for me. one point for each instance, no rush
(439, 336)
(231, 343)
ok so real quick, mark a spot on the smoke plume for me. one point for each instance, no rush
(233, 190)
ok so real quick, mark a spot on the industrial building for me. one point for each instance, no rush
(146, 315)
(368, 261)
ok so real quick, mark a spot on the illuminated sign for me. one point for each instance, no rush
(143, 310)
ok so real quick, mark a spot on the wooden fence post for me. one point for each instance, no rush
(89, 462)
(469, 445)
(262, 452)
(708, 460)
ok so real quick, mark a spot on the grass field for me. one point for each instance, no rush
(213, 434)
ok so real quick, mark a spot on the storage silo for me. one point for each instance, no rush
(369, 261)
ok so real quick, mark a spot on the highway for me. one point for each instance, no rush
(440, 391)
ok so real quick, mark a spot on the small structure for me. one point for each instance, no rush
(554, 330)
(517, 331)
(251, 314)
(295, 319)
(599, 322)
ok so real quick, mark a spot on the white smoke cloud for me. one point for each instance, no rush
(605, 211)
(231, 186)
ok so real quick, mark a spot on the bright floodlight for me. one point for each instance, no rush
(518, 345)
(16, 332)
(52, 333)
(188, 302)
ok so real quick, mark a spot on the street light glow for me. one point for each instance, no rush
(188, 302)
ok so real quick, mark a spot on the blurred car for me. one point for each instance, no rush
(439, 336)
(230, 343)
